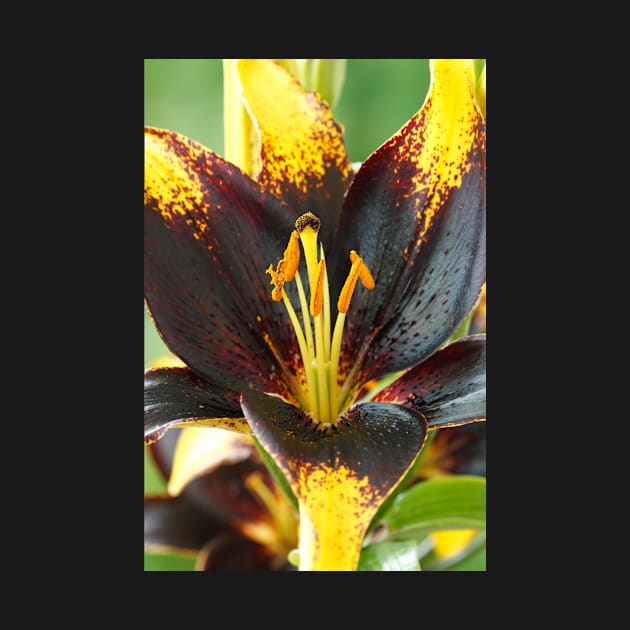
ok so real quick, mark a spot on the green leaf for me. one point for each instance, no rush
(168, 562)
(476, 561)
(456, 502)
(390, 556)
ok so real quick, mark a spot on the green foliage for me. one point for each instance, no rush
(455, 502)
(399, 555)
(166, 562)
(470, 558)
(476, 561)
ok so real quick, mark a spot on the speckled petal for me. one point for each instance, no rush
(449, 388)
(457, 450)
(210, 232)
(304, 160)
(340, 475)
(415, 213)
(175, 397)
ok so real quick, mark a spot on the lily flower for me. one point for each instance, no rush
(371, 274)
(230, 517)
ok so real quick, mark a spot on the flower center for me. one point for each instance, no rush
(321, 395)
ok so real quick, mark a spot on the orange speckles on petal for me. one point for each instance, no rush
(301, 144)
(441, 143)
(167, 178)
(176, 174)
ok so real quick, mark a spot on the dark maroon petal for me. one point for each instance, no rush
(224, 494)
(232, 552)
(210, 234)
(366, 433)
(455, 450)
(162, 452)
(340, 475)
(449, 388)
(176, 524)
(304, 160)
(415, 213)
(175, 395)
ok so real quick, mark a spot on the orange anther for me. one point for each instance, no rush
(364, 272)
(359, 270)
(317, 297)
(291, 257)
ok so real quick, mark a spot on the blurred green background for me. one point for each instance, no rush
(186, 95)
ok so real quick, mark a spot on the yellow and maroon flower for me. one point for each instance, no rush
(231, 516)
(371, 274)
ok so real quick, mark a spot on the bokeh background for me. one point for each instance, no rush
(186, 95)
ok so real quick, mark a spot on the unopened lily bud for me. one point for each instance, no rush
(325, 76)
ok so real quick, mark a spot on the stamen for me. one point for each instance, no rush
(326, 306)
(364, 272)
(287, 267)
(273, 274)
(291, 257)
(306, 358)
(343, 303)
(359, 270)
(307, 320)
(317, 297)
(323, 396)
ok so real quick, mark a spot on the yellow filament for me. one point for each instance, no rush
(335, 353)
(326, 307)
(322, 372)
(304, 351)
(307, 321)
